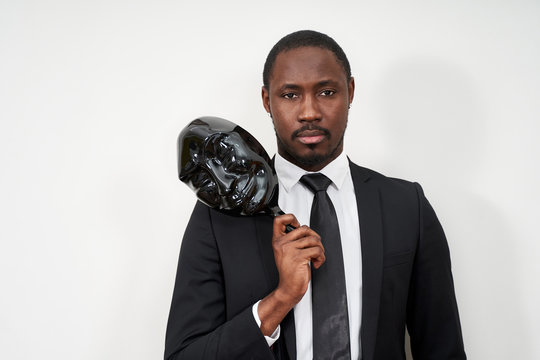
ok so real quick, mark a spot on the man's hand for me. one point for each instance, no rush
(292, 253)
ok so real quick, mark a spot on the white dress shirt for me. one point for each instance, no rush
(295, 198)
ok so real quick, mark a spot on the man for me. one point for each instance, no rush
(246, 289)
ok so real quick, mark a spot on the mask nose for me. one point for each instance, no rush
(225, 181)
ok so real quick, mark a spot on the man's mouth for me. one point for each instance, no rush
(310, 137)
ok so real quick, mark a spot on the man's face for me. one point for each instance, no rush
(308, 98)
(225, 171)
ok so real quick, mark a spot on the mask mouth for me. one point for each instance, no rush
(253, 196)
(239, 197)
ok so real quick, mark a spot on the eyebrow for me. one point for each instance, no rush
(297, 87)
(327, 82)
(289, 86)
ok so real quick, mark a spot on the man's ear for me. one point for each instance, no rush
(266, 100)
(351, 90)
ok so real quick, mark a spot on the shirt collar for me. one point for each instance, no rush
(290, 174)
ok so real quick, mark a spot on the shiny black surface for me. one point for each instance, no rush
(227, 167)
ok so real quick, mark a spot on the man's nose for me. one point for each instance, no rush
(309, 109)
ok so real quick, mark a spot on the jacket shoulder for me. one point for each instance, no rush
(363, 174)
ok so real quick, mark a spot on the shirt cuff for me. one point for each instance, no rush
(275, 335)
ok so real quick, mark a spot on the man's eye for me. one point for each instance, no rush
(290, 96)
(327, 92)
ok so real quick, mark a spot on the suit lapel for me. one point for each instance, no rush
(264, 238)
(371, 238)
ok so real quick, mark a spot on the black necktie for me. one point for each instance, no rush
(329, 297)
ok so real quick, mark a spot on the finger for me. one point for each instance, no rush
(315, 254)
(302, 232)
(317, 257)
(318, 261)
(307, 242)
(280, 222)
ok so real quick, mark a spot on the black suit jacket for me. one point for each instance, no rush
(227, 264)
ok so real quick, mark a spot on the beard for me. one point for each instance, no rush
(310, 160)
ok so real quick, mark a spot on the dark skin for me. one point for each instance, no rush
(308, 99)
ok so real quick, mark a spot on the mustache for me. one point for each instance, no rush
(310, 127)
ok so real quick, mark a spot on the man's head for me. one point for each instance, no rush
(307, 91)
(226, 166)
(305, 38)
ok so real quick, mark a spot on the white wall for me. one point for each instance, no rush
(94, 93)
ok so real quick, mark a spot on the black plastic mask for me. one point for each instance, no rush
(227, 167)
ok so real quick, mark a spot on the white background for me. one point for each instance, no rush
(94, 93)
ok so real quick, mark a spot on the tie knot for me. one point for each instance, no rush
(316, 182)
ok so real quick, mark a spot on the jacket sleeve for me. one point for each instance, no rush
(198, 326)
(433, 319)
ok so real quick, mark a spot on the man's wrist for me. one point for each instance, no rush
(270, 340)
(272, 310)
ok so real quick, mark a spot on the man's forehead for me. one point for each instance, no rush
(306, 64)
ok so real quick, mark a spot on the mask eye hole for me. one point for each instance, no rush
(221, 151)
(216, 148)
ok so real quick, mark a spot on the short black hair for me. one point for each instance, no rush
(304, 38)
